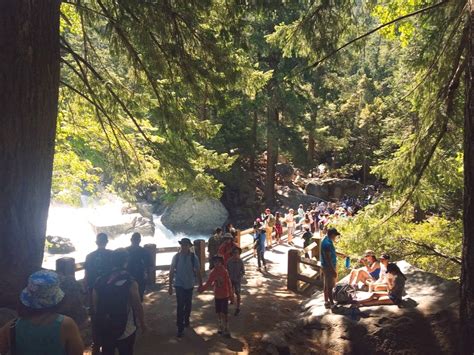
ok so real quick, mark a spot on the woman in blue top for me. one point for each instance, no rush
(40, 330)
(369, 272)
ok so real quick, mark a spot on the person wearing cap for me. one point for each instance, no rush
(368, 273)
(39, 328)
(381, 283)
(328, 263)
(236, 269)
(184, 270)
(225, 250)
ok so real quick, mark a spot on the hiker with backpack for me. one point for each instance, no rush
(236, 269)
(96, 265)
(39, 329)
(117, 308)
(328, 263)
(213, 245)
(183, 272)
(98, 262)
(138, 262)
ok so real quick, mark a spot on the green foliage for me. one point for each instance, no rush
(428, 245)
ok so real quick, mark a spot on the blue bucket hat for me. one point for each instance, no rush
(43, 290)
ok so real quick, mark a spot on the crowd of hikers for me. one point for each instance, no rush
(115, 281)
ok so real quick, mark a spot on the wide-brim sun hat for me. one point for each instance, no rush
(185, 241)
(43, 290)
(369, 253)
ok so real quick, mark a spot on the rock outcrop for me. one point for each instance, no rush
(59, 245)
(427, 321)
(194, 216)
(124, 224)
(292, 197)
(333, 189)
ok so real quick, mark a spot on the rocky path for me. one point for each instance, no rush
(265, 301)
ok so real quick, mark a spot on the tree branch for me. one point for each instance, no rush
(377, 29)
(432, 249)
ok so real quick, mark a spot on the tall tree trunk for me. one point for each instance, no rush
(311, 147)
(466, 310)
(29, 82)
(272, 154)
(253, 155)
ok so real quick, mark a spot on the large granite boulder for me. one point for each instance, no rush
(123, 224)
(145, 209)
(59, 245)
(333, 189)
(292, 197)
(427, 321)
(194, 216)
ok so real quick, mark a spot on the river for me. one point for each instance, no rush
(74, 223)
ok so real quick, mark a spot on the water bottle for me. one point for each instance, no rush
(348, 262)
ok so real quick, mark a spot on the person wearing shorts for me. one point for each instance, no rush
(236, 269)
(220, 280)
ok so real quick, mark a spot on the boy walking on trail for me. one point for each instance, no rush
(220, 280)
(183, 272)
(259, 246)
(236, 269)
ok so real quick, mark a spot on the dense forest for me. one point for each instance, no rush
(197, 95)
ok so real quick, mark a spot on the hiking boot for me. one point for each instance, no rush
(237, 311)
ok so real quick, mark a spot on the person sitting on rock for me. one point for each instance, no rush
(39, 328)
(370, 271)
(381, 284)
(396, 289)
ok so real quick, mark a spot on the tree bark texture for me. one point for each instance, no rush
(272, 154)
(29, 82)
(467, 269)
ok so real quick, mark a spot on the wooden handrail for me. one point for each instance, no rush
(66, 262)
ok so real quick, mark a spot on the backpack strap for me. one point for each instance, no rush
(13, 337)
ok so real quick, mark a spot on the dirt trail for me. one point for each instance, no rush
(265, 301)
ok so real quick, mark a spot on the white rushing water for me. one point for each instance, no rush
(74, 223)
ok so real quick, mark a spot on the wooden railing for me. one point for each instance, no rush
(68, 266)
(311, 275)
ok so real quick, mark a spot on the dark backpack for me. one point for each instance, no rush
(344, 293)
(193, 261)
(111, 313)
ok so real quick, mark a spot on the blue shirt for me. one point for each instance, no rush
(260, 239)
(185, 269)
(34, 339)
(328, 245)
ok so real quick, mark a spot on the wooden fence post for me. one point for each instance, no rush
(66, 266)
(293, 269)
(200, 251)
(151, 250)
(316, 252)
